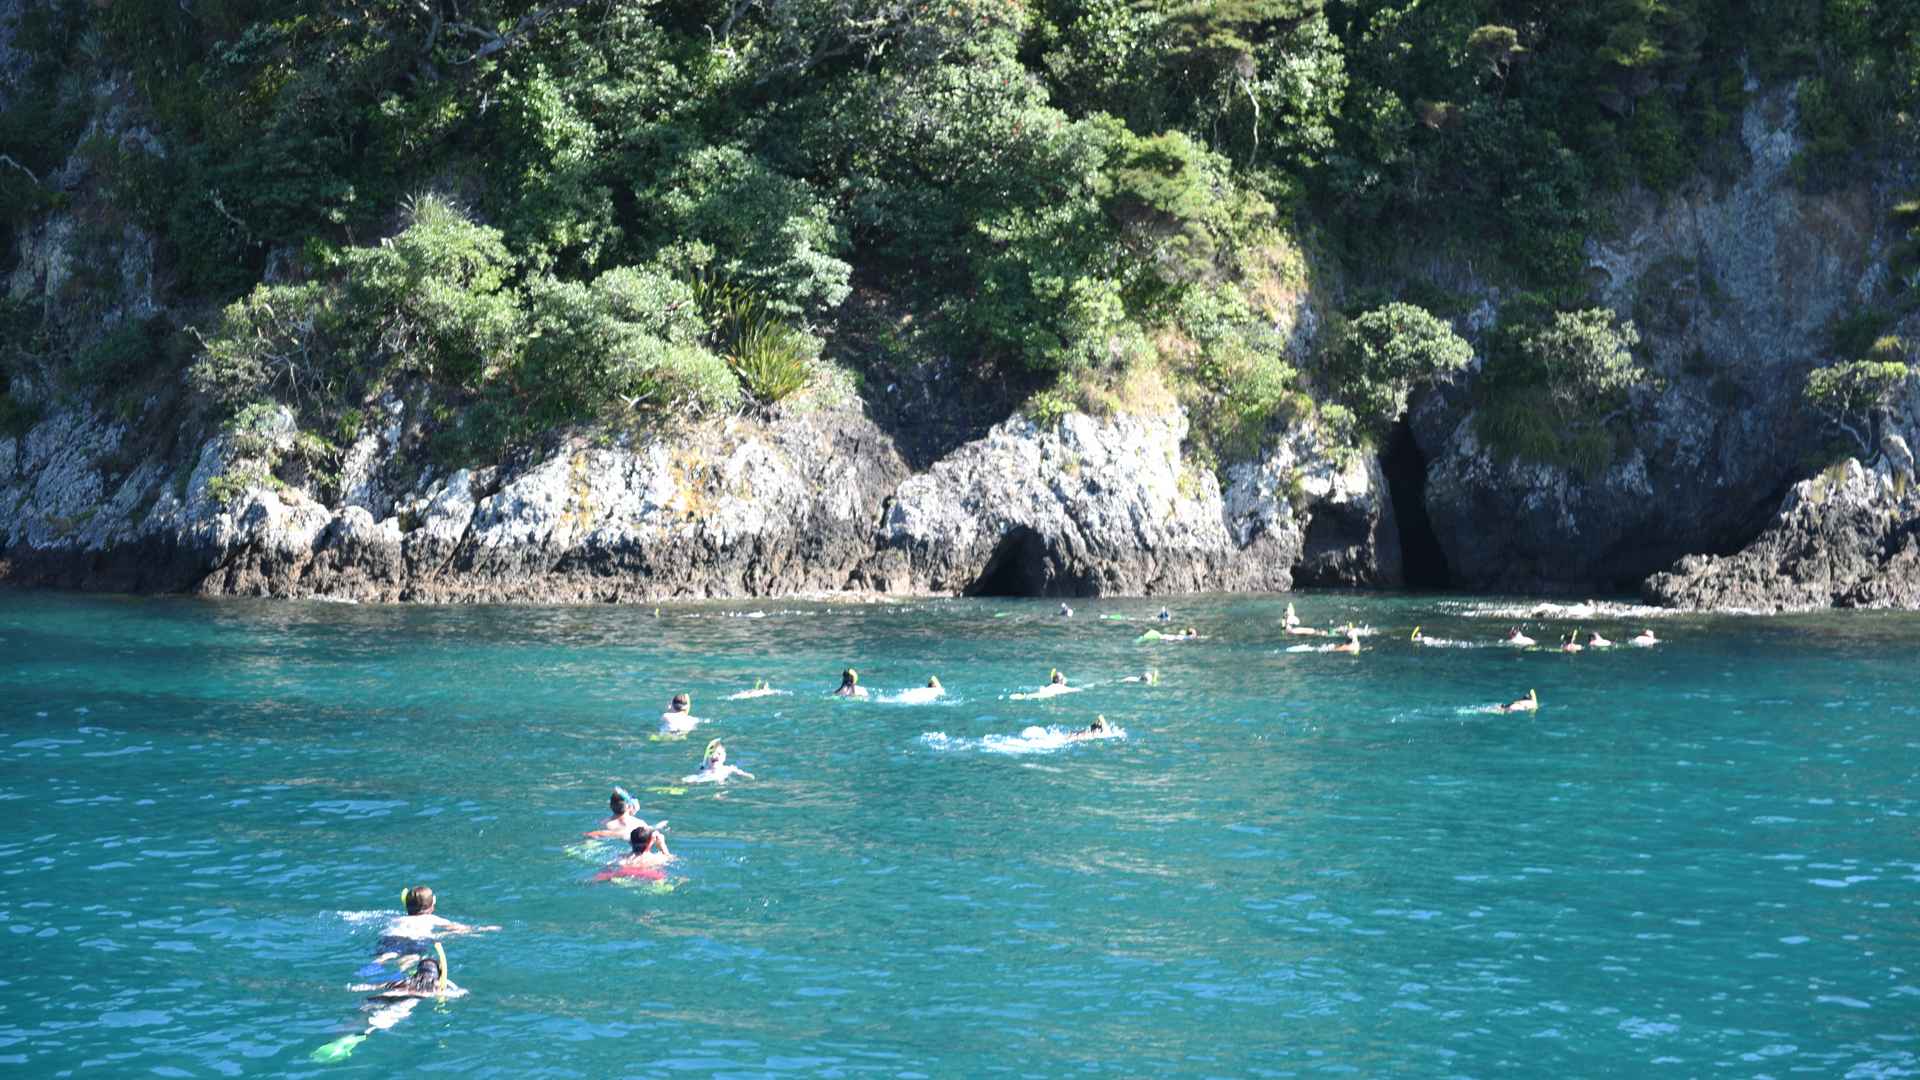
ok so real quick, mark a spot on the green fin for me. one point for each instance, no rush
(337, 1050)
(667, 791)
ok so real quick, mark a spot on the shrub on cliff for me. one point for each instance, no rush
(1553, 383)
(1845, 395)
(1380, 355)
(631, 338)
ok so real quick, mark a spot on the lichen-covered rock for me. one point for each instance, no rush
(1849, 537)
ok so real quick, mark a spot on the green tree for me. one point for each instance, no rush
(1847, 394)
(1382, 354)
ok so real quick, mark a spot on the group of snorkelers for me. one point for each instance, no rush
(410, 950)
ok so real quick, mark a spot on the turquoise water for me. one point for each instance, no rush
(1696, 859)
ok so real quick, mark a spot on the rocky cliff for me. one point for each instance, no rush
(1732, 285)
(810, 503)
(1849, 537)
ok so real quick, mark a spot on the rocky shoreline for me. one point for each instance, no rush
(819, 503)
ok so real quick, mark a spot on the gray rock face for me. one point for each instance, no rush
(1731, 288)
(1089, 508)
(817, 503)
(1849, 537)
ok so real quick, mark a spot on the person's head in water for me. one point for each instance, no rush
(418, 900)
(716, 754)
(620, 802)
(933, 682)
(1099, 724)
(1189, 632)
(641, 838)
(1057, 679)
(425, 978)
(680, 703)
(849, 679)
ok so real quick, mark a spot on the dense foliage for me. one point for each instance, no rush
(535, 204)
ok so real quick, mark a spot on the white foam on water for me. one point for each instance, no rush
(1584, 609)
(1050, 690)
(765, 691)
(919, 695)
(1033, 739)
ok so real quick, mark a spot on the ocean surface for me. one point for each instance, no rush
(1697, 859)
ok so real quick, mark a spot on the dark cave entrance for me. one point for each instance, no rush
(1423, 564)
(1019, 566)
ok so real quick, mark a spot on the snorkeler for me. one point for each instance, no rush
(1148, 677)
(679, 718)
(1571, 643)
(850, 685)
(1065, 611)
(393, 1001)
(648, 853)
(1352, 644)
(1190, 634)
(624, 819)
(1165, 615)
(1519, 640)
(410, 934)
(1644, 639)
(1292, 624)
(1530, 703)
(714, 768)
(1056, 685)
(1099, 729)
(1597, 642)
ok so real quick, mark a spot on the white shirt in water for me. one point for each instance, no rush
(678, 723)
(1047, 691)
(716, 775)
(418, 927)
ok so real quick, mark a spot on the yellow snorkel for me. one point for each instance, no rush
(1415, 636)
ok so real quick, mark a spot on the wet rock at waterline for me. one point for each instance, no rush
(1849, 537)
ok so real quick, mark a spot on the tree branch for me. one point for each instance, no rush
(531, 21)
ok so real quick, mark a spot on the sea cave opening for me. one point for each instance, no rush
(1423, 564)
(1019, 566)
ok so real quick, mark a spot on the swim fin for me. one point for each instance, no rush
(337, 1050)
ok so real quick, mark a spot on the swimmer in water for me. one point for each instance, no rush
(1352, 644)
(1190, 634)
(1519, 640)
(411, 934)
(648, 853)
(1572, 643)
(1165, 615)
(1055, 678)
(1148, 677)
(850, 685)
(1292, 624)
(393, 1001)
(1598, 642)
(679, 718)
(647, 844)
(1065, 611)
(1530, 703)
(714, 768)
(1644, 639)
(1096, 730)
(623, 820)
(427, 979)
